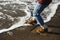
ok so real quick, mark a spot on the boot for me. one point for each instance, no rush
(40, 29)
(32, 21)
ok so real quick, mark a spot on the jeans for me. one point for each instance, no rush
(37, 11)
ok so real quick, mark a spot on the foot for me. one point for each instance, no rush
(31, 21)
(41, 30)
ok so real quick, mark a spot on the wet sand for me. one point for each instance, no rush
(24, 33)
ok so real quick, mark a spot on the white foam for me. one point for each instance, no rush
(53, 8)
(21, 22)
(18, 24)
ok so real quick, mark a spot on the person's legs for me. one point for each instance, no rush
(36, 13)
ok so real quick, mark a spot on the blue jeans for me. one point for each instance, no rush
(37, 11)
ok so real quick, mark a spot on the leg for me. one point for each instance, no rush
(36, 13)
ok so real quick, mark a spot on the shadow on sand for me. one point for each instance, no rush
(56, 33)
